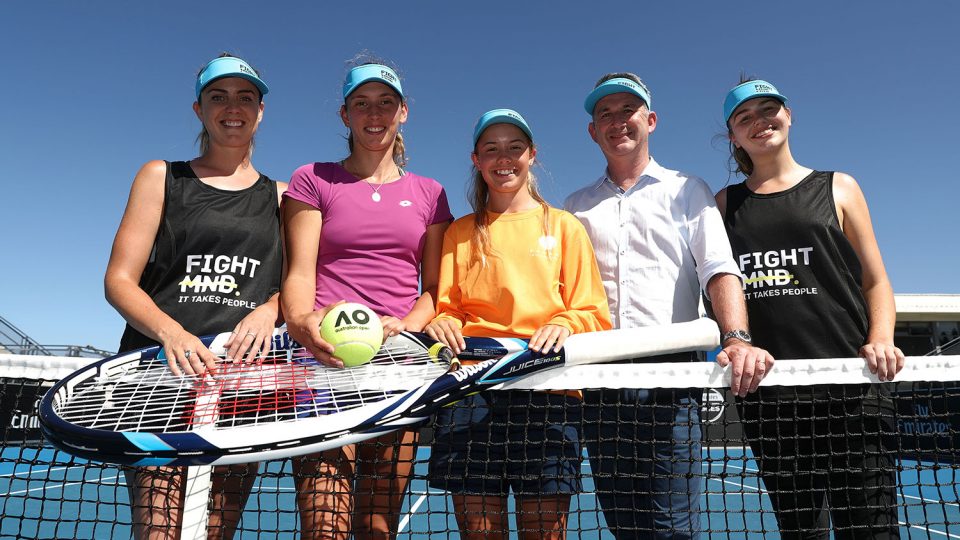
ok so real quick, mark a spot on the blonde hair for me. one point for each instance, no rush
(478, 193)
(203, 138)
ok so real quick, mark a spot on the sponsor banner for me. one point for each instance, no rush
(927, 421)
(719, 418)
(18, 410)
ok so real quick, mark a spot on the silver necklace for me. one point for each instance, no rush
(376, 190)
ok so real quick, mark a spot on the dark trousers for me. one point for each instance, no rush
(822, 459)
(644, 447)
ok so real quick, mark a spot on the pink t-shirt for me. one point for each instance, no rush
(370, 251)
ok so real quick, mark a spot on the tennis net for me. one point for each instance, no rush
(822, 446)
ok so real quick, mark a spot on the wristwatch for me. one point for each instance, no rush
(740, 334)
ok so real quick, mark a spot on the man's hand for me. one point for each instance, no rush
(749, 365)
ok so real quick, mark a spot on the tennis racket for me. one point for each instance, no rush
(130, 409)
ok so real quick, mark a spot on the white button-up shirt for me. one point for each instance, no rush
(657, 244)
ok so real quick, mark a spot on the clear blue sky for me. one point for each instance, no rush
(92, 90)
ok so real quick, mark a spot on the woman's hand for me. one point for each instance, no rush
(883, 359)
(186, 354)
(305, 329)
(547, 336)
(392, 325)
(448, 332)
(253, 335)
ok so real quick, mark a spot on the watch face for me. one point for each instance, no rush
(742, 335)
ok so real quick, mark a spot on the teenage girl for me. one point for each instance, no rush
(514, 268)
(821, 453)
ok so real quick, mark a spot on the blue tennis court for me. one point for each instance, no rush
(60, 499)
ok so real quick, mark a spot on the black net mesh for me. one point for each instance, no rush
(842, 460)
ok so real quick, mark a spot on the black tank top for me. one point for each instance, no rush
(216, 257)
(803, 278)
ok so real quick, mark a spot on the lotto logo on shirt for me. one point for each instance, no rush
(206, 274)
(768, 273)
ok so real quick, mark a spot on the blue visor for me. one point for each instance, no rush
(748, 90)
(229, 66)
(500, 116)
(371, 73)
(615, 86)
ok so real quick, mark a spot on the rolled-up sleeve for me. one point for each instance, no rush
(707, 236)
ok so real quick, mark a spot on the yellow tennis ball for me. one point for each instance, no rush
(355, 332)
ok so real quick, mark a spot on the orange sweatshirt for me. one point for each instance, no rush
(530, 280)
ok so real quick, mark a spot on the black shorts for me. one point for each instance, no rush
(492, 442)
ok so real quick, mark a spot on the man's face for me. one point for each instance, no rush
(622, 124)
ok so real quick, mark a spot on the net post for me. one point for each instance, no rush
(196, 501)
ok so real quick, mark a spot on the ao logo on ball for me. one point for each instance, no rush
(355, 332)
(360, 317)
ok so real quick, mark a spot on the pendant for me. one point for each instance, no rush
(375, 196)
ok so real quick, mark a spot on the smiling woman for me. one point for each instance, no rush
(818, 289)
(250, 95)
(362, 230)
(515, 268)
(216, 207)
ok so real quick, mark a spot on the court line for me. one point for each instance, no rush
(68, 484)
(411, 511)
(276, 489)
(740, 486)
(929, 530)
(932, 501)
(731, 466)
(31, 471)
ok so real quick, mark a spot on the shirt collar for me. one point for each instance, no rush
(653, 171)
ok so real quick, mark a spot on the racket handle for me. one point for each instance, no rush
(626, 343)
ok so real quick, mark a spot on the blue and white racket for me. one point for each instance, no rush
(131, 409)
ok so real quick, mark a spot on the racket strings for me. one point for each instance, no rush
(282, 386)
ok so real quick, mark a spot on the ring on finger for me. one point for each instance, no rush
(251, 334)
(187, 353)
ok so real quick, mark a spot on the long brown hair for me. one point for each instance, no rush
(203, 138)
(739, 156)
(478, 194)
